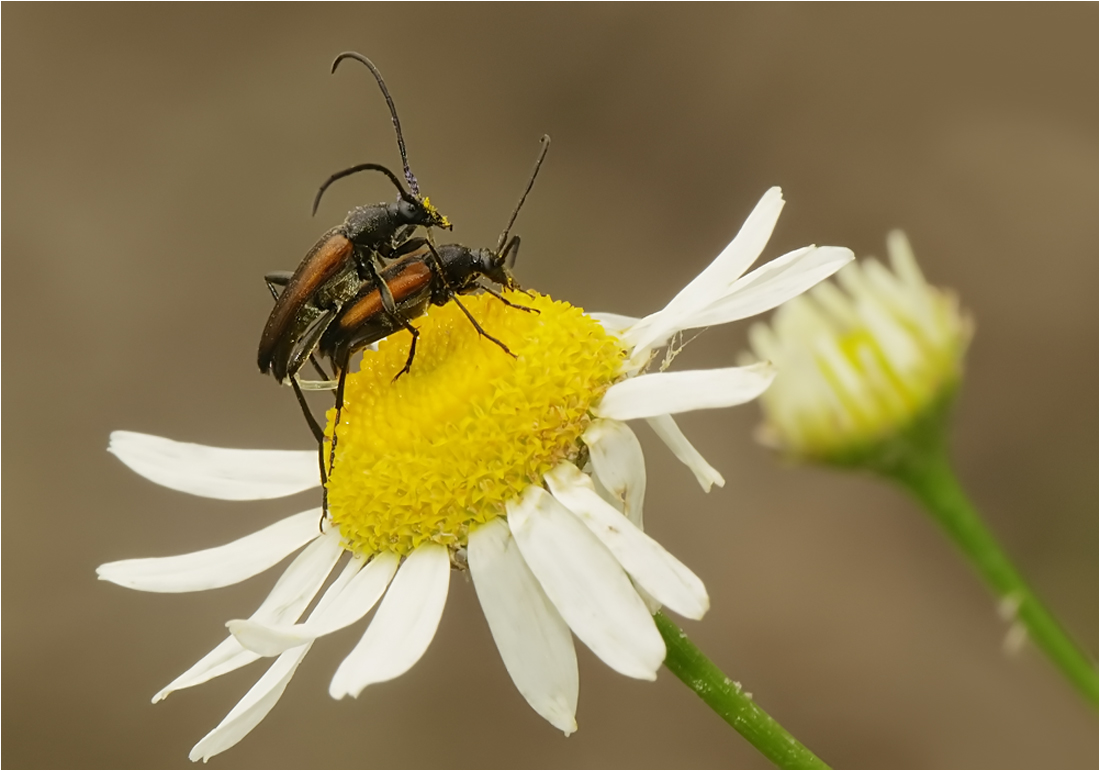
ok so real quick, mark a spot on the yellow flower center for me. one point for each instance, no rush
(447, 444)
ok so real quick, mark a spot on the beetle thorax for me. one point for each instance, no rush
(374, 225)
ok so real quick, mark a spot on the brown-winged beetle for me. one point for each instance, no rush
(368, 277)
(338, 265)
(423, 275)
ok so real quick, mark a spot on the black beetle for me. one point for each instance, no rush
(345, 257)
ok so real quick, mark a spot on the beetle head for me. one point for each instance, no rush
(463, 266)
(492, 265)
(419, 211)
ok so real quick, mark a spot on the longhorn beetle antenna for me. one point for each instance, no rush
(355, 170)
(544, 145)
(409, 177)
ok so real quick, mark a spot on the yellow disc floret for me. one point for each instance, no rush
(446, 445)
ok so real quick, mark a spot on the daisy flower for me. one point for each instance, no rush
(522, 470)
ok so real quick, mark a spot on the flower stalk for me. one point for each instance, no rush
(731, 702)
(868, 377)
(917, 459)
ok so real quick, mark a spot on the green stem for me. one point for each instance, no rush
(929, 477)
(727, 699)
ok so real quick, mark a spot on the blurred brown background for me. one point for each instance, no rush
(161, 159)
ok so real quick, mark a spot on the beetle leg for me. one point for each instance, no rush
(389, 307)
(509, 255)
(320, 371)
(452, 295)
(510, 252)
(388, 304)
(277, 278)
(319, 434)
(479, 328)
(509, 303)
(314, 426)
(309, 342)
(412, 346)
(343, 366)
(407, 246)
(405, 234)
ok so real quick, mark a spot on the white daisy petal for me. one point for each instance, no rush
(665, 427)
(289, 598)
(216, 472)
(303, 578)
(532, 638)
(619, 464)
(615, 323)
(773, 284)
(354, 602)
(586, 585)
(714, 281)
(226, 657)
(404, 625)
(262, 697)
(665, 393)
(658, 572)
(220, 566)
(607, 495)
(616, 502)
(252, 709)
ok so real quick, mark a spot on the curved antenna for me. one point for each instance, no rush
(356, 170)
(409, 177)
(544, 145)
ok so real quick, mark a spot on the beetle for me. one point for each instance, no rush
(338, 265)
(332, 272)
(425, 275)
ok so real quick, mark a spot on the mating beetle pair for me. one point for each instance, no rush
(368, 277)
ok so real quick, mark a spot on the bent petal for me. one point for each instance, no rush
(289, 598)
(665, 393)
(404, 625)
(217, 567)
(665, 428)
(586, 584)
(252, 709)
(615, 323)
(655, 329)
(262, 697)
(217, 472)
(532, 638)
(773, 284)
(619, 464)
(351, 604)
(663, 576)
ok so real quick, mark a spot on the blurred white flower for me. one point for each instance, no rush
(859, 365)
